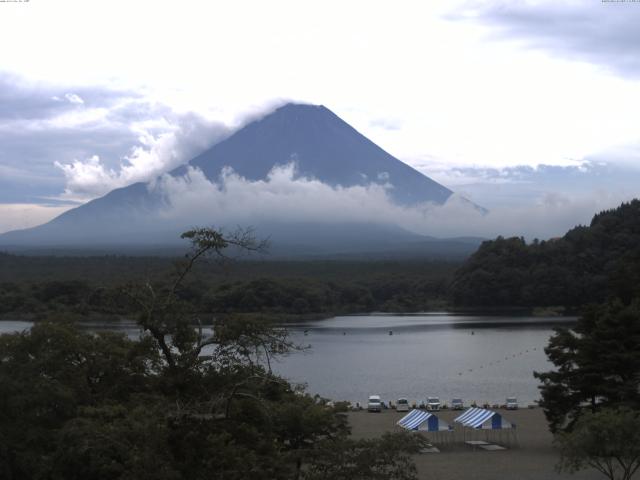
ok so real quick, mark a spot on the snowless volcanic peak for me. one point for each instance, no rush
(317, 142)
(322, 146)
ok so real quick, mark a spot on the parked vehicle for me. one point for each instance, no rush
(402, 405)
(457, 404)
(512, 403)
(374, 404)
(433, 404)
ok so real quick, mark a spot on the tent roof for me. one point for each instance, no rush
(421, 420)
(479, 418)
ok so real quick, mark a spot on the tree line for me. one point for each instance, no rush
(589, 264)
(397, 292)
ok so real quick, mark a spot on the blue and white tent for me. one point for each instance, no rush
(423, 421)
(491, 423)
(482, 419)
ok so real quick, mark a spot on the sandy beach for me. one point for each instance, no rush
(533, 459)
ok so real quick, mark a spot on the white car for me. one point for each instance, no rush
(512, 403)
(457, 404)
(433, 404)
(402, 405)
(374, 404)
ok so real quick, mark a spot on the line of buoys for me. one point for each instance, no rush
(514, 355)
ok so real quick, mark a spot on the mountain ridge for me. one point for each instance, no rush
(322, 146)
(313, 156)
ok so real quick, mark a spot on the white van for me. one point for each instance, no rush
(457, 404)
(374, 404)
(433, 404)
(512, 403)
(402, 405)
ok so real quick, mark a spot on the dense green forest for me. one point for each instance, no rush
(37, 287)
(587, 265)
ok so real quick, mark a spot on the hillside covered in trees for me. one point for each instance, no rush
(39, 287)
(587, 265)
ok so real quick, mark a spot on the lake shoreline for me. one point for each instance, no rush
(292, 318)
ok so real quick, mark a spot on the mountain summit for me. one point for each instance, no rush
(322, 146)
(323, 149)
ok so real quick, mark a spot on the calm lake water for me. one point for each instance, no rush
(481, 358)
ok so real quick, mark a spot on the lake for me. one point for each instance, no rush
(479, 358)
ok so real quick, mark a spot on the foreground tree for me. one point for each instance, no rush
(175, 404)
(608, 440)
(385, 459)
(597, 365)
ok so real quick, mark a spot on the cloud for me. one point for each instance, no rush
(285, 198)
(180, 140)
(77, 143)
(73, 98)
(601, 33)
(386, 123)
(19, 216)
(41, 124)
(616, 170)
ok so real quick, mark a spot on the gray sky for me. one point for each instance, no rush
(95, 95)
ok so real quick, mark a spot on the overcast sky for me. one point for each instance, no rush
(95, 95)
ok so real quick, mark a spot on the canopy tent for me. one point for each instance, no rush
(480, 419)
(421, 421)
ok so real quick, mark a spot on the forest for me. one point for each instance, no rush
(35, 287)
(589, 264)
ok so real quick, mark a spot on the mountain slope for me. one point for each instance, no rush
(322, 147)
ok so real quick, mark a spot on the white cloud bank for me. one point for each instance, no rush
(283, 197)
(17, 216)
(179, 140)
